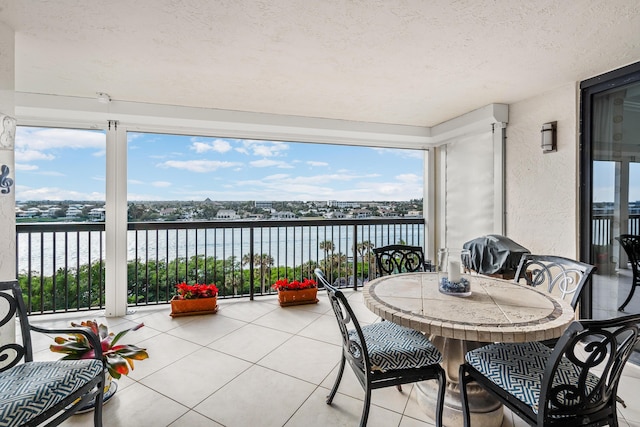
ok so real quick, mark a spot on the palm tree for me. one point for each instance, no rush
(262, 267)
(327, 246)
(334, 264)
(363, 249)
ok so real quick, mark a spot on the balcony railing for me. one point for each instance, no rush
(602, 228)
(61, 266)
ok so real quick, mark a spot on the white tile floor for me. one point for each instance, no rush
(255, 364)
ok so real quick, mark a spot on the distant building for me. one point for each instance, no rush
(414, 214)
(340, 205)
(51, 212)
(29, 213)
(73, 212)
(167, 211)
(334, 215)
(227, 214)
(361, 213)
(283, 215)
(264, 205)
(97, 214)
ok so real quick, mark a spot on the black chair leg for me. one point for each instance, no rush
(365, 409)
(98, 401)
(442, 385)
(624, 304)
(463, 380)
(337, 383)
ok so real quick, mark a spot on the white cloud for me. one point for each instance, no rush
(218, 145)
(135, 182)
(266, 163)
(409, 178)
(161, 184)
(55, 193)
(32, 155)
(43, 139)
(200, 166)
(266, 148)
(23, 167)
(51, 173)
(403, 153)
(314, 163)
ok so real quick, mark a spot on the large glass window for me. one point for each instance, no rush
(58, 169)
(60, 185)
(244, 213)
(611, 190)
(166, 168)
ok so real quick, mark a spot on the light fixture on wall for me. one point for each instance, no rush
(103, 98)
(549, 137)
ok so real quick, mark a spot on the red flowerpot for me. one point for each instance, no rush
(190, 307)
(297, 297)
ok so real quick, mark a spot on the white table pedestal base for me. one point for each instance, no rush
(486, 411)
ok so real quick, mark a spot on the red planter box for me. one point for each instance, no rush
(302, 296)
(190, 307)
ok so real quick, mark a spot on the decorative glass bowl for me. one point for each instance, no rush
(452, 263)
(460, 289)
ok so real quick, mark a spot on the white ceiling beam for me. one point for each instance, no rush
(61, 111)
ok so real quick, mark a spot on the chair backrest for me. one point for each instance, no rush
(394, 259)
(631, 245)
(559, 276)
(12, 304)
(584, 368)
(355, 351)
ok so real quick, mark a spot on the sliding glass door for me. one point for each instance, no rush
(610, 196)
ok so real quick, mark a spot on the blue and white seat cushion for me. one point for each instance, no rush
(392, 347)
(29, 389)
(518, 368)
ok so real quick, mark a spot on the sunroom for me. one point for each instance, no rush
(469, 85)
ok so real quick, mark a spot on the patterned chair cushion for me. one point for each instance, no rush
(519, 368)
(29, 389)
(392, 346)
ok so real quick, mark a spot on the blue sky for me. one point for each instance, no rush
(64, 164)
(604, 181)
(67, 164)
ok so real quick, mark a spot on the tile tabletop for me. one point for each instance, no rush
(496, 310)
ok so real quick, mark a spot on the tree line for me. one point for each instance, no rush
(154, 281)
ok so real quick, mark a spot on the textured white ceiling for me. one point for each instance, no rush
(414, 62)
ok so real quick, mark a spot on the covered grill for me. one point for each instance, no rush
(494, 254)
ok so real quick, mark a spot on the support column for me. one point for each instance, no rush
(116, 222)
(7, 198)
(7, 169)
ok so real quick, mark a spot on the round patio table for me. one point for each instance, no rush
(496, 311)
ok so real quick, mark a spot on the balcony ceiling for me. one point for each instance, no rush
(410, 62)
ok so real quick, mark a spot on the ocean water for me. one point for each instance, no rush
(288, 245)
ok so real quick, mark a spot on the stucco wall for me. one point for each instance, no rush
(542, 189)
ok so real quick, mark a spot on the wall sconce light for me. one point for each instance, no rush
(103, 98)
(549, 137)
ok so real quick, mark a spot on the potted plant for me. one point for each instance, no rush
(117, 358)
(194, 299)
(296, 292)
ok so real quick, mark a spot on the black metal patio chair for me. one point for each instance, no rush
(573, 384)
(560, 276)
(631, 245)
(33, 392)
(382, 354)
(392, 259)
